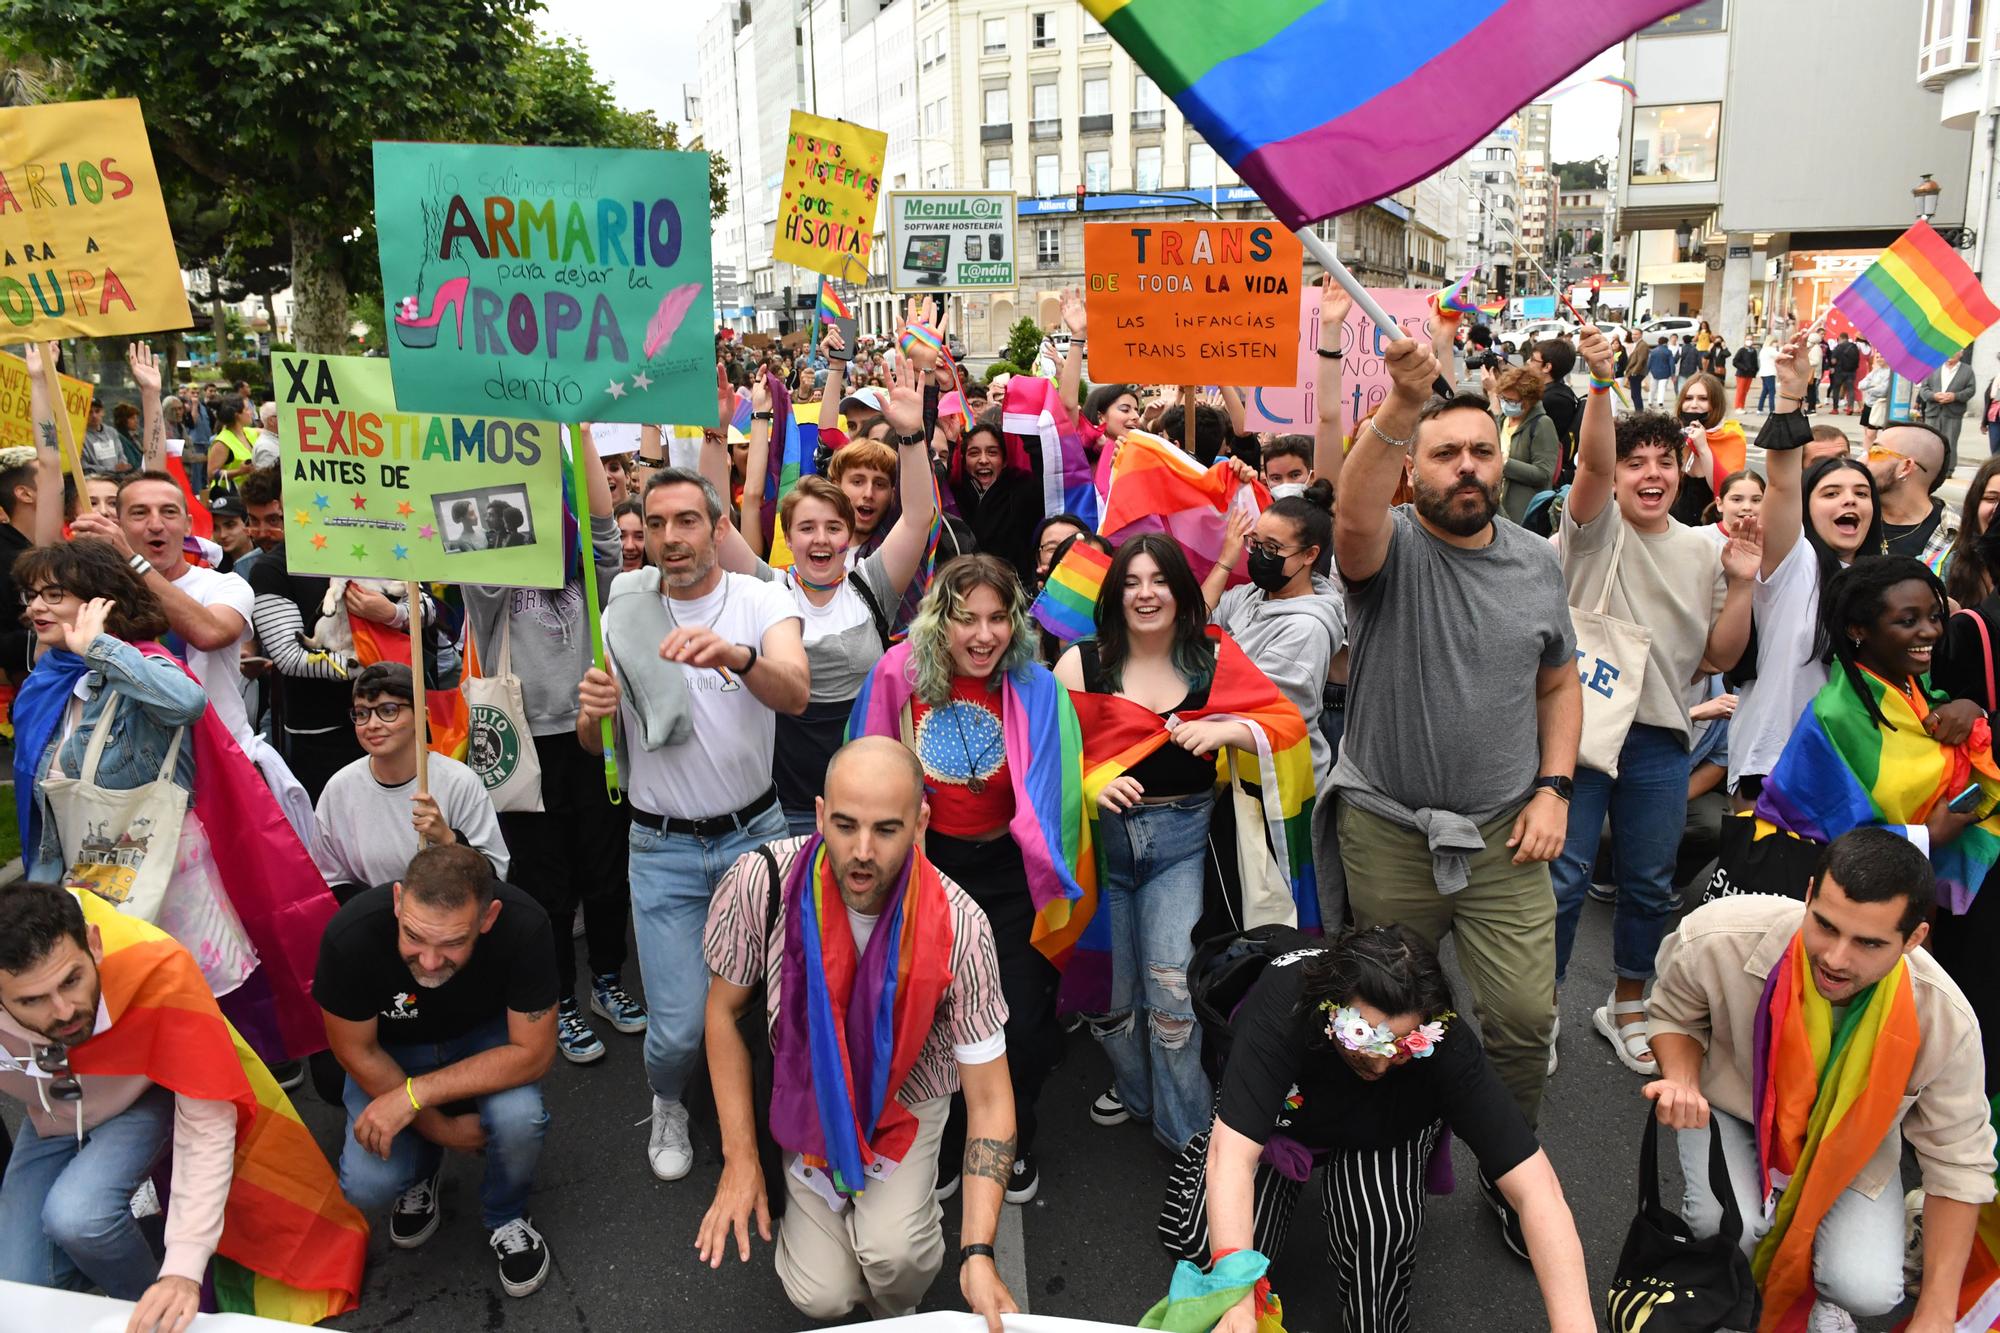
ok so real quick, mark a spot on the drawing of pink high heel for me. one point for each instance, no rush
(417, 333)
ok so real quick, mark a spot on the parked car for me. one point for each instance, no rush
(1529, 334)
(1659, 330)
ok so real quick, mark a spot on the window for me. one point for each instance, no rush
(1048, 247)
(1048, 175)
(1948, 40)
(1043, 26)
(1047, 112)
(1148, 110)
(933, 116)
(1201, 167)
(937, 178)
(1093, 31)
(996, 106)
(994, 35)
(1146, 168)
(1097, 171)
(1674, 144)
(1097, 93)
(999, 173)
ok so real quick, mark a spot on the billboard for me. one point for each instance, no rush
(951, 241)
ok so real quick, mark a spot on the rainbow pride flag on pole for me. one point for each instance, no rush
(1918, 303)
(1067, 604)
(1458, 297)
(1251, 75)
(1157, 487)
(830, 304)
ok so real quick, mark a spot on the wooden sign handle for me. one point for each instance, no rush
(413, 594)
(52, 390)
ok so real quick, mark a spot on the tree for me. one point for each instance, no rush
(1024, 344)
(266, 113)
(1590, 175)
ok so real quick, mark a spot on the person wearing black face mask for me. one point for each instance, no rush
(1290, 618)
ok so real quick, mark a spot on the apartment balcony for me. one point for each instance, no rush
(1149, 120)
(1045, 129)
(1001, 133)
(1093, 124)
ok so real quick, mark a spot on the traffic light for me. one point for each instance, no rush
(1596, 284)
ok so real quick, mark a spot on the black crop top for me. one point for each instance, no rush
(1170, 770)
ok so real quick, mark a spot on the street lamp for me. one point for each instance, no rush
(1926, 194)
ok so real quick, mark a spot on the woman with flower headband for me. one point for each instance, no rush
(1346, 1055)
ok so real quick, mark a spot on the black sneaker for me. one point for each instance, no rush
(524, 1258)
(1510, 1221)
(1026, 1180)
(415, 1215)
(289, 1073)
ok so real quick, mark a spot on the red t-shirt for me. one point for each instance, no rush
(963, 748)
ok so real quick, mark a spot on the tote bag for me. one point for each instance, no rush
(1667, 1281)
(1611, 660)
(501, 750)
(120, 845)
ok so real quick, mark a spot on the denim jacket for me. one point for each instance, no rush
(158, 697)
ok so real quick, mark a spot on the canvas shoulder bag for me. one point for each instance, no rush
(1611, 661)
(502, 752)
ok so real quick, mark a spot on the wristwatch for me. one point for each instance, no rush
(975, 1251)
(1561, 786)
(914, 437)
(140, 565)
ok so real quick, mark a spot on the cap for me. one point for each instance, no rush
(952, 404)
(870, 398)
(228, 506)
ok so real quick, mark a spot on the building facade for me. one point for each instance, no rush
(1958, 56)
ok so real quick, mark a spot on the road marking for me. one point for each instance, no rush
(1010, 1250)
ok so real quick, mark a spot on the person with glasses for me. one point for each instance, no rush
(1907, 461)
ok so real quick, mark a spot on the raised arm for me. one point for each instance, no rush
(836, 375)
(756, 467)
(595, 483)
(1596, 438)
(1375, 468)
(48, 449)
(1782, 437)
(1444, 341)
(1069, 385)
(1232, 405)
(903, 548)
(1329, 449)
(736, 554)
(152, 426)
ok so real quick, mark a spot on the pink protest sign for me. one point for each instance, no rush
(1364, 381)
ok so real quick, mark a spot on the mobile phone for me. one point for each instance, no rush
(973, 248)
(1966, 801)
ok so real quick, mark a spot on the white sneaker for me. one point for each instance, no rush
(146, 1200)
(670, 1152)
(1829, 1318)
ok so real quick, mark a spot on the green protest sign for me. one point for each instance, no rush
(571, 284)
(373, 492)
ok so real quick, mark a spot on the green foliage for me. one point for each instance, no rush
(1003, 368)
(1588, 175)
(1024, 342)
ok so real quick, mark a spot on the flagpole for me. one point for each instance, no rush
(1352, 285)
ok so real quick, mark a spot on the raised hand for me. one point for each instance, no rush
(725, 400)
(1334, 305)
(1074, 314)
(760, 394)
(1596, 351)
(145, 369)
(1743, 555)
(1794, 371)
(905, 411)
(1413, 366)
(79, 634)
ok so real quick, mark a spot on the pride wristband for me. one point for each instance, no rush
(411, 1093)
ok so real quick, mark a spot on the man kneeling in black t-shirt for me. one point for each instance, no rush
(1345, 1056)
(436, 991)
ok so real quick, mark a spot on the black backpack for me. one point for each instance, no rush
(1220, 977)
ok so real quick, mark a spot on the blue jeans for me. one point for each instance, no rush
(66, 1212)
(802, 823)
(1767, 395)
(1993, 437)
(514, 1121)
(1648, 806)
(1153, 857)
(673, 878)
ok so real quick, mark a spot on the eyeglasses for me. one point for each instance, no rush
(1272, 549)
(54, 1061)
(388, 712)
(1884, 451)
(52, 595)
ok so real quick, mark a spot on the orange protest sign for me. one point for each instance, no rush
(1193, 302)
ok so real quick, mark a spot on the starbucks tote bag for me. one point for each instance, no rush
(501, 750)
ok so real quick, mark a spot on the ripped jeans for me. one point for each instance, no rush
(1152, 863)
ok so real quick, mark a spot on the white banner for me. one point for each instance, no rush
(951, 242)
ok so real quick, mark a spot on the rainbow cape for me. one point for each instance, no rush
(1045, 762)
(1034, 419)
(1251, 77)
(1918, 303)
(1824, 1099)
(1155, 486)
(1067, 604)
(1840, 770)
(1118, 733)
(860, 1022)
(292, 1247)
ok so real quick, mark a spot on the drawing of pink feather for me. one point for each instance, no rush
(666, 321)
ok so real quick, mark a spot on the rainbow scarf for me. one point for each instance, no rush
(1118, 733)
(1045, 764)
(292, 1247)
(1840, 770)
(861, 1021)
(1196, 1301)
(1824, 1100)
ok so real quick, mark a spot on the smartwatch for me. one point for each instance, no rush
(1563, 787)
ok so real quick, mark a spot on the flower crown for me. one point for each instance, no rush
(1345, 1025)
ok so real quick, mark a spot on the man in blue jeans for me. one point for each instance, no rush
(439, 994)
(705, 660)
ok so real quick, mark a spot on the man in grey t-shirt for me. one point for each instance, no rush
(1463, 713)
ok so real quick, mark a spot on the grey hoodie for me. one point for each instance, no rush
(549, 645)
(1292, 640)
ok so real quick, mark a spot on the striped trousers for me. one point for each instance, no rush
(1374, 1207)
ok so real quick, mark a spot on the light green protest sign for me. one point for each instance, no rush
(571, 284)
(372, 492)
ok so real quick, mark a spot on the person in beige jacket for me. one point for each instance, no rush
(1866, 908)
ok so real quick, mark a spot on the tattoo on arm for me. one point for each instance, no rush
(991, 1158)
(48, 434)
(537, 1015)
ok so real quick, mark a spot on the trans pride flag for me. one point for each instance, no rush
(1035, 417)
(1252, 76)
(1918, 303)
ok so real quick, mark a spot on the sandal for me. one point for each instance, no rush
(1629, 1043)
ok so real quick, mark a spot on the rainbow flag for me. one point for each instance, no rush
(1251, 77)
(1067, 606)
(1841, 769)
(830, 304)
(1625, 86)
(1918, 303)
(793, 449)
(292, 1247)
(1045, 761)
(741, 420)
(1979, 1290)
(1156, 487)
(1035, 418)
(1459, 299)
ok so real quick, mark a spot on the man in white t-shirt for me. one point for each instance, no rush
(729, 658)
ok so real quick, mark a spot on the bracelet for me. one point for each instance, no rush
(1077, 342)
(140, 565)
(763, 416)
(1389, 439)
(410, 1091)
(976, 1252)
(1331, 356)
(1597, 383)
(914, 437)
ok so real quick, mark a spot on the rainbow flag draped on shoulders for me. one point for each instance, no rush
(852, 1027)
(1035, 419)
(1118, 733)
(1155, 486)
(1918, 303)
(1841, 770)
(292, 1247)
(1045, 763)
(1825, 1096)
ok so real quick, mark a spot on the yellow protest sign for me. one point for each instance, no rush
(16, 418)
(832, 176)
(84, 246)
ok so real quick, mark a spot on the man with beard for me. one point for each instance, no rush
(439, 994)
(704, 660)
(1458, 626)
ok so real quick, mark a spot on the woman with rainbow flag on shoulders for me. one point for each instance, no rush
(1003, 774)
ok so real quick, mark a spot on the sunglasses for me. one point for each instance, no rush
(388, 712)
(54, 1061)
(1884, 451)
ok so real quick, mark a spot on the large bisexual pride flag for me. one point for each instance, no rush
(1918, 303)
(1323, 105)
